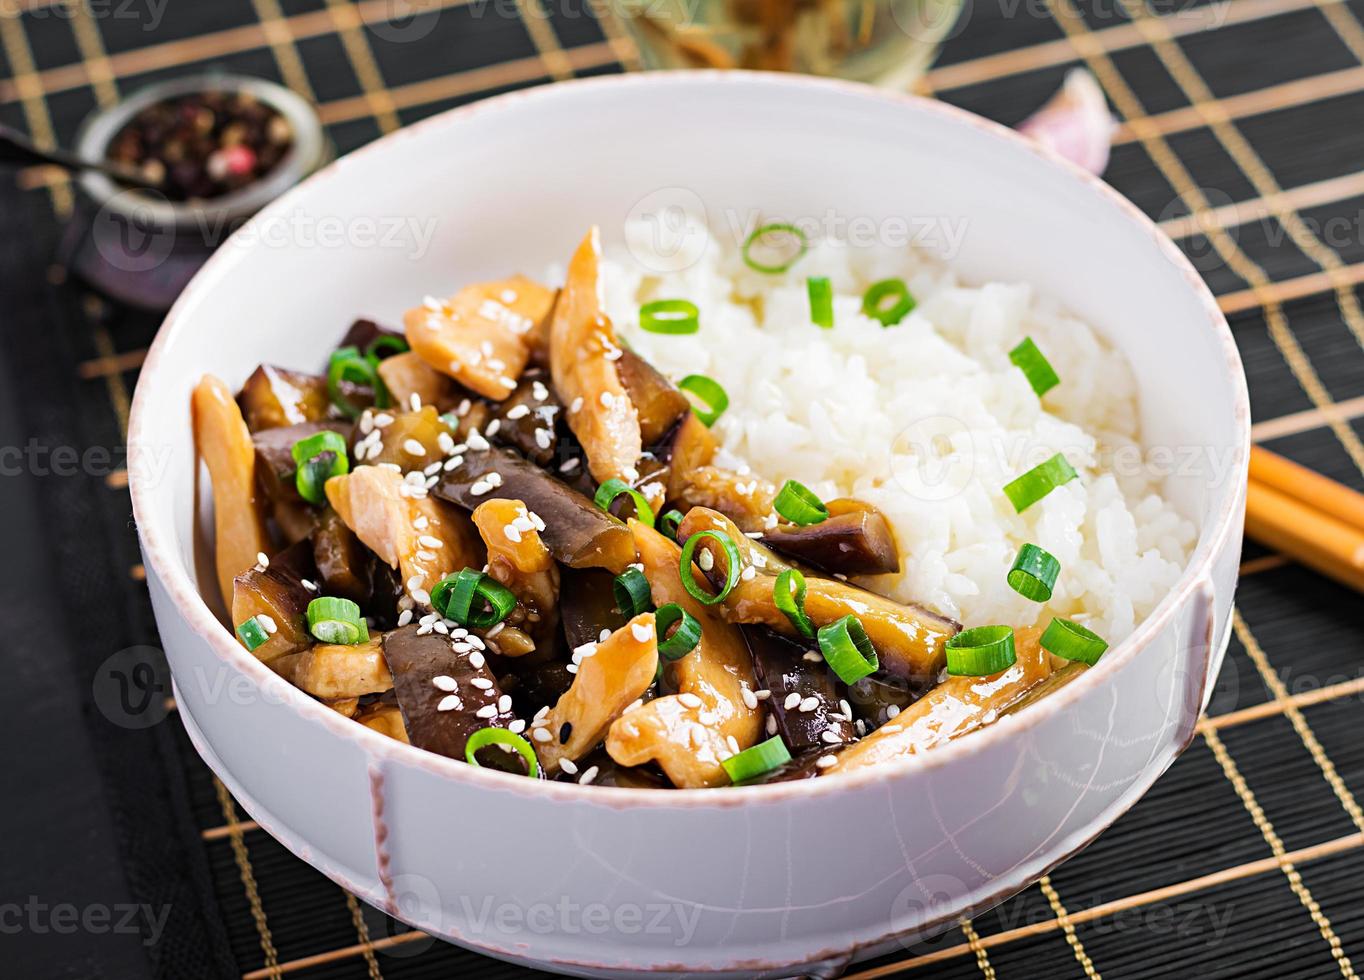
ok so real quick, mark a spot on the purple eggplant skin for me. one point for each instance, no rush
(275, 466)
(876, 699)
(577, 532)
(587, 605)
(656, 399)
(612, 773)
(781, 667)
(527, 423)
(804, 765)
(415, 660)
(364, 332)
(855, 541)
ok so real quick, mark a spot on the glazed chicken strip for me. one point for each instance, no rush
(616, 673)
(955, 707)
(582, 359)
(519, 560)
(223, 442)
(689, 733)
(333, 671)
(478, 336)
(386, 719)
(744, 498)
(910, 641)
(424, 538)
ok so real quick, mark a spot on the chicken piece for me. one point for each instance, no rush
(955, 707)
(582, 359)
(690, 733)
(518, 559)
(424, 538)
(275, 594)
(478, 336)
(334, 670)
(386, 719)
(910, 641)
(616, 674)
(408, 440)
(743, 498)
(347, 707)
(223, 442)
(405, 375)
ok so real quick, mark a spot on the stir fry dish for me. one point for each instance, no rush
(502, 536)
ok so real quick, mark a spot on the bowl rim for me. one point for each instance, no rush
(174, 577)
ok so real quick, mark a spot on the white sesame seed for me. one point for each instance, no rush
(477, 442)
(422, 596)
(487, 711)
(642, 634)
(750, 700)
(420, 522)
(308, 584)
(813, 657)
(542, 714)
(577, 405)
(538, 391)
(415, 582)
(569, 766)
(544, 438)
(771, 724)
(450, 702)
(893, 711)
(706, 560)
(542, 735)
(825, 761)
(845, 707)
(445, 682)
(476, 660)
(480, 487)
(482, 683)
(263, 560)
(268, 624)
(809, 704)
(404, 617)
(367, 422)
(493, 427)
(569, 466)
(588, 776)
(762, 695)
(604, 635)
(689, 700)
(507, 383)
(572, 668)
(426, 556)
(494, 479)
(504, 703)
(830, 736)
(512, 532)
(382, 420)
(517, 412)
(517, 727)
(792, 701)
(749, 573)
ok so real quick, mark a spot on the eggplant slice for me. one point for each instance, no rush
(804, 700)
(442, 691)
(276, 591)
(855, 539)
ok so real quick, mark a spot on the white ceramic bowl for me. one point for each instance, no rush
(772, 880)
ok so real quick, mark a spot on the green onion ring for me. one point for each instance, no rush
(252, 633)
(1035, 367)
(608, 492)
(1039, 481)
(848, 650)
(632, 593)
(789, 596)
(873, 301)
(756, 761)
(319, 457)
(1034, 573)
(821, 301)
(981, 651)
(385, 345)
(1071, 641)
(762, 232)
(668, 523)
(346, 364)
(709, 391)
(799, 504)
(335, 620)
(731, 568)
(473, 598)
(684, 639)
(485, 737)
(670, 316)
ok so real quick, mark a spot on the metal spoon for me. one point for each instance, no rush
(16, 148)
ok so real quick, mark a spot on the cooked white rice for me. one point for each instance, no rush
(928, 421)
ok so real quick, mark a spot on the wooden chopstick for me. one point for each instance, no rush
(1307, 516)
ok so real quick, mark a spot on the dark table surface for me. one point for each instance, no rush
(1245, 860)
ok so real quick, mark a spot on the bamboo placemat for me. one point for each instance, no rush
(1241, 133)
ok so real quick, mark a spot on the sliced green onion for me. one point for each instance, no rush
(689, 583)
(1039, 481)
(1071, 641)
(889, 301)
(1035, 367)
(608, 492)
(789, 595)
(802, 245)
(1034, 573)
(347, 364)
(668, 523)
(472, 598)
(385, 345)
(821, 301)
(632, 593)
(485, 737)
(981, 651)
(335, 620)
(709, 391)
(799, 504)
(670, 316)
(847, 650)
(684, 638)
(319, 457)
(757, 760)
(252, 633)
